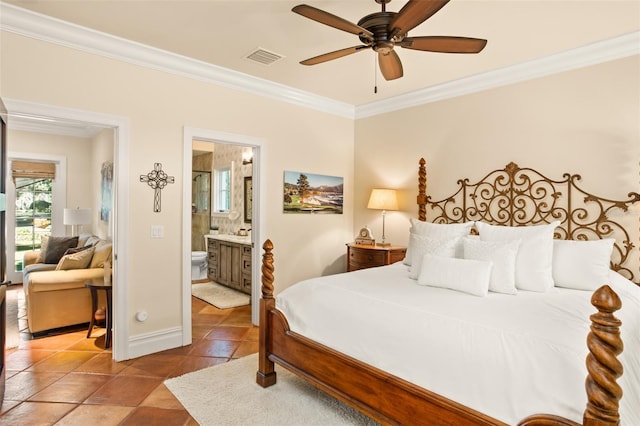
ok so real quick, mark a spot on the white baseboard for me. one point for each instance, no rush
(157, 341)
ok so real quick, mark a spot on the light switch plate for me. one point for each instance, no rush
(157, 231)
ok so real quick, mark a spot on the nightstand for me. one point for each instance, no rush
(363, 256)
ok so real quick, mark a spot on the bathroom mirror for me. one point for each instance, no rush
(248, 199)
(200, 191)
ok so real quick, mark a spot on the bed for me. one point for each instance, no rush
(479, 362)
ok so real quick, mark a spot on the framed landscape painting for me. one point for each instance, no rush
(106, 187)
(309, 193)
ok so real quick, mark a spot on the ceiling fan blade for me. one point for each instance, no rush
(444, 44)
(390, 65)
(333, 55)
(413, 14)
(331, 20)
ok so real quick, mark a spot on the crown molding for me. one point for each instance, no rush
(35, 117)
(52, 30)
(29, 124)
(41, 27)
(591, 54)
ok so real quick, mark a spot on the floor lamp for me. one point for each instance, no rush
(75, 217)
(383, 199)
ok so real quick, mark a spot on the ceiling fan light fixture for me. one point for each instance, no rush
(382, 31)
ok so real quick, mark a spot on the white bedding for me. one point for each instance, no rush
(508, 356)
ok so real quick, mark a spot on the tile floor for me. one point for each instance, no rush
(67, 379)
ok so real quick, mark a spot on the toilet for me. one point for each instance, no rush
(198, 265)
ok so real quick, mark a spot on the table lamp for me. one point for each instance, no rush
(75, 217)
(383, 199)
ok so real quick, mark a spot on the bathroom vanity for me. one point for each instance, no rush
(229, 259)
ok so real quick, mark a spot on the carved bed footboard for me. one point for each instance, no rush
(392, 400)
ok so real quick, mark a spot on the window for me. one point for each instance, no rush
(34, 200)
(222, 190)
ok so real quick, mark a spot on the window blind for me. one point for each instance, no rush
(33, 170)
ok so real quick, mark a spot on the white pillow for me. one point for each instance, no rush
(440, 231)
(582, 265)
(469, 276)
(535, 255)
(408, 257)
(427, 245)
(503, 256)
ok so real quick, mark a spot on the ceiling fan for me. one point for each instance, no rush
(382, 31)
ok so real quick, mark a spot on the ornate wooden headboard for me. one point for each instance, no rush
(516, 196)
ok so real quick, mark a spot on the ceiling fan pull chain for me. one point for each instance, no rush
(375, 75)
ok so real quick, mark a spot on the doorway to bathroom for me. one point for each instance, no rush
(221, 201)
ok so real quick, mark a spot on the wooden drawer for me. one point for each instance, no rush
(246, 259)
(354, 266)
(212, 273)
(246, 269)
(213, 255)
(397, 255)
(246, 283)
(361, 256)
(246, 265)
(367, 257)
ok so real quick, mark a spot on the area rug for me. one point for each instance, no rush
(227, 394)
(219, 296)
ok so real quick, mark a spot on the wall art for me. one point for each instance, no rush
(106, 190)
(312, 194)
(157, 179)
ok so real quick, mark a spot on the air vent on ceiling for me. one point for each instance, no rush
(263, 56)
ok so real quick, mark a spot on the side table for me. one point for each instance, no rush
(94, 285)
(363, 256)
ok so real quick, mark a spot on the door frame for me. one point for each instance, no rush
(258, 146)
(120, 221)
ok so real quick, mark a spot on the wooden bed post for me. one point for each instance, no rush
(604, 368)
(422, 191)
(266, 375)
(604, 343)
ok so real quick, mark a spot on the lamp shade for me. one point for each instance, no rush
(383, 199)
(76, 216)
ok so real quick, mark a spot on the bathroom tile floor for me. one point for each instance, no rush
(69, 379)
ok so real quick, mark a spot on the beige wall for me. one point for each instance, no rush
(159, 105)
(584, 121)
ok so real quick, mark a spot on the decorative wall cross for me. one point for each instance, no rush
(157, 179)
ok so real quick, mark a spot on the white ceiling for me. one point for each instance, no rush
(223, 32)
